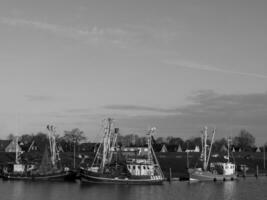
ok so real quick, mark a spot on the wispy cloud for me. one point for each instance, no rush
(196, 66)
(95, 35)
(38, 98)
(139, 108)
(91, 35)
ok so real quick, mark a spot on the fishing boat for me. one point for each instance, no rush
(111, 167)
(49, 169)
(215, 171)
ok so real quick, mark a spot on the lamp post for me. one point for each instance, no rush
(74, 153)
(264, 156)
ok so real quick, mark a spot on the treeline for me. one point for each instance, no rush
(39, 141)
(244, 141)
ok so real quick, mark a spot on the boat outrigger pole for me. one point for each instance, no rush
(206, 157)
(52, 143)
(212, 140)
(205, 135)
(106, 143)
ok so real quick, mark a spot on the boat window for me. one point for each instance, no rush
(144, 167)
(139, 167)
(133, 167)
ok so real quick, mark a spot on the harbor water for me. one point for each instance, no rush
(245, 189)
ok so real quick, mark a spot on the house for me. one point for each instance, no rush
(27, 147)
(4, 144)
(179, 149)
(87, 147)
(197, 149)
(223, 148)
(11, 147)
(135, 150)
(164, 149)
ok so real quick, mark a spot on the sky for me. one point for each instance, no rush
(176, 65)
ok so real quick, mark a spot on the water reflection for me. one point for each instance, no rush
(243, 189)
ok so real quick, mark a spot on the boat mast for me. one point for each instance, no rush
(152, 130)
(106, 143)
(17, 149)
(228, 150)
(113, 145)
(205, 135)
(151, 152)
(212, 140)
(52, 143)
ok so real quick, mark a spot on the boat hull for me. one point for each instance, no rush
(62, 176)
(208, 176)
(95, 179)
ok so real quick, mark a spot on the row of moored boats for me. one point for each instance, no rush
(111, 166)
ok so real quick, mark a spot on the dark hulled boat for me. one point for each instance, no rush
(49, 169)
(110, 166)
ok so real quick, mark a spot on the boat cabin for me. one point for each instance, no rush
(140, 169)
(223, 168)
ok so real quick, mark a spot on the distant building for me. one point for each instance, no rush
(223, 148)
(164, 149)
(4, 144)
(87, 147)
(135, 150)
(32, 147)
(11, 147)
(197, 149)
(179, 149)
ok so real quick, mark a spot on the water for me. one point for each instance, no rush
(247, 189)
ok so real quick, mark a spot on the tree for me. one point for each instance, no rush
(26, 139)
(75, 135)
(159, 140)
(219, 144)
(11, 136)
(41, 140)
(175, 141)
(245, 140)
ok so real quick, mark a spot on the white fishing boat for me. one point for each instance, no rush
(215, 171)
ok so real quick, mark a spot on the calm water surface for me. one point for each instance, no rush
(248, 189)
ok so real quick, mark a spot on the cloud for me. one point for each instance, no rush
(90, 35)
(227, 112)
(139, 108)
(196, 66)
(39, 98)
(95, 35)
